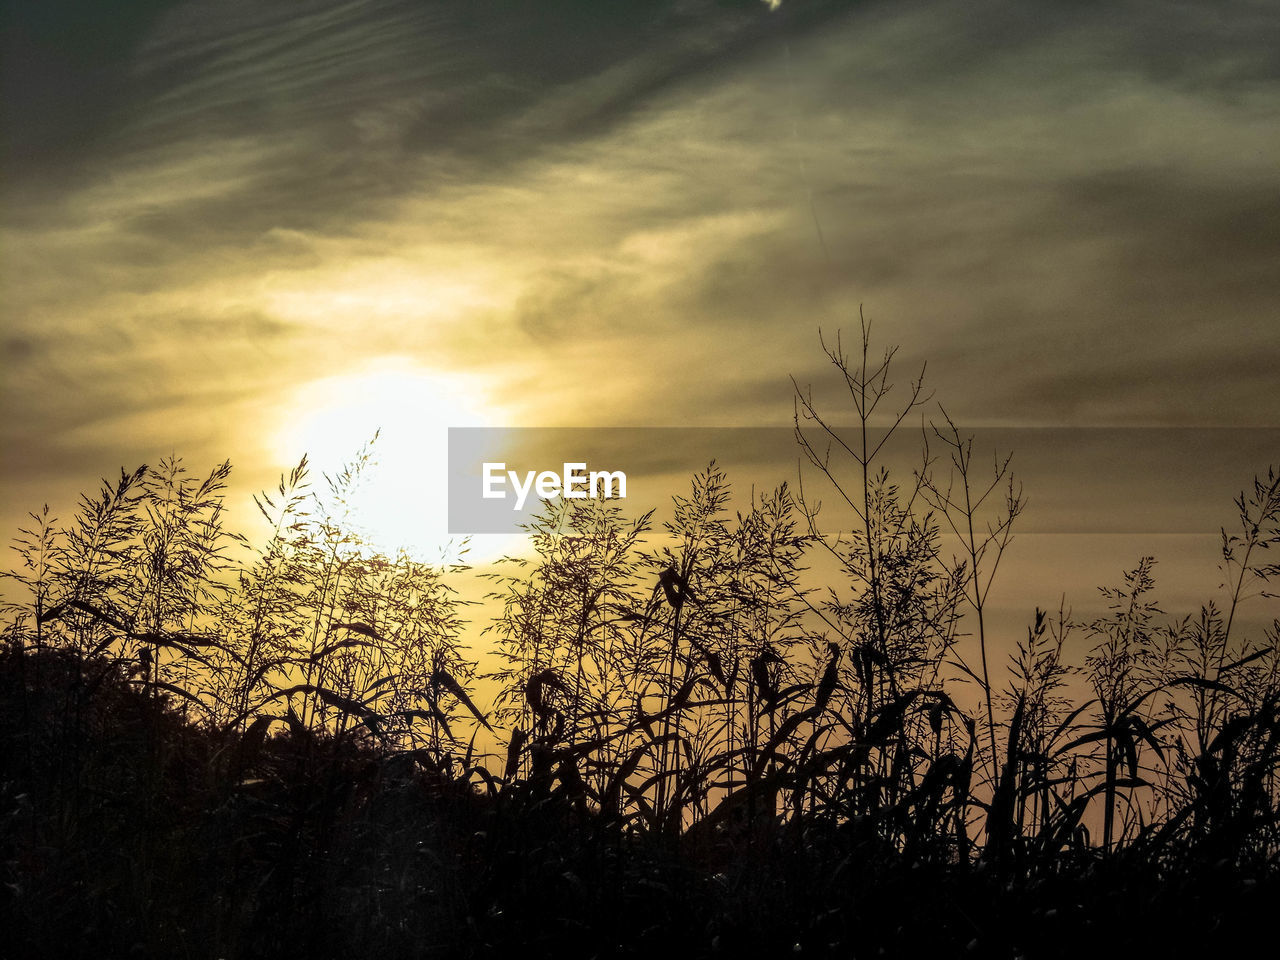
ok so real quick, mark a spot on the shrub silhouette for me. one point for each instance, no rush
(226, 750)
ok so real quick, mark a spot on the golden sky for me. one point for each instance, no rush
(239, 229)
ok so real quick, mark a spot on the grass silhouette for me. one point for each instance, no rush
(217, 749)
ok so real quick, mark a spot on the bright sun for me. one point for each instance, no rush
(402, 502)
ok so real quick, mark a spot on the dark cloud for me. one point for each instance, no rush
(359, 89)
(633, 213)
(18, 349)
(64, 74)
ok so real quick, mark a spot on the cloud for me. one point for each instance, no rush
(642, 214)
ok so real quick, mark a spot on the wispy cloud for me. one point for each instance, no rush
(642, 214)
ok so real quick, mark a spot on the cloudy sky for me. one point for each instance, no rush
(242, 229)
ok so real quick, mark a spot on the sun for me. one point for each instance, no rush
(401, 500)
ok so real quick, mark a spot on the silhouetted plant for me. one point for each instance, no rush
(897, 620)
(282, 750)
(570, 662)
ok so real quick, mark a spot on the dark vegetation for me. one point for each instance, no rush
(689, 749)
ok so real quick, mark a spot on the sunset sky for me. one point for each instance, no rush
(241, 229)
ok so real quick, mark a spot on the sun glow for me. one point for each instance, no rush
(400, 501)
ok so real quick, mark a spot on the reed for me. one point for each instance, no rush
(215, 748)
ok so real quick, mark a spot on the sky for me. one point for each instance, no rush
(236, 229)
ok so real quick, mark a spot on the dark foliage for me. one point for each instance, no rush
(691, 748)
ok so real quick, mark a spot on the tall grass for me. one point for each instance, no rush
(682, 712)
